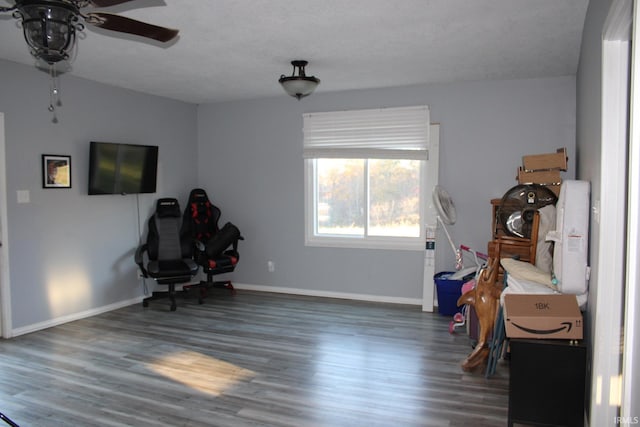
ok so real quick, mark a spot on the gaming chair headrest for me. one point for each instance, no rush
(198, 195)
(167, 208)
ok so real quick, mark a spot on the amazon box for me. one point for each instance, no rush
(546, 316)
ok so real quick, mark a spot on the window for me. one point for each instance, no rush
(368, 175)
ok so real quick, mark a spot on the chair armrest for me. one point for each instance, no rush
(235, 243)
(139, 259)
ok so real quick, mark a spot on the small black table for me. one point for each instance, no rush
(547, 382)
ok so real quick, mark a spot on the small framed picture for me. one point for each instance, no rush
(56, 171)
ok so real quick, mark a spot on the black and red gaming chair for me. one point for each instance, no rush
(216, 248)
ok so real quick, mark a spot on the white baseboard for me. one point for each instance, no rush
(329, 294)
(75, 316)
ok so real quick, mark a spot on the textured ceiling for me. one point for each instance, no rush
(237, 49)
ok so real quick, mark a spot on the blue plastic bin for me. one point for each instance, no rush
(448, 292)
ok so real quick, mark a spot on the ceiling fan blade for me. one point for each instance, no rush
(110, 21)
(107, 3)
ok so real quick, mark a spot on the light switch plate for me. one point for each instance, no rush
(23, 196)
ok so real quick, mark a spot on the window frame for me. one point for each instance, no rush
(428, 179)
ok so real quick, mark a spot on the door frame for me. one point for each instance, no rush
(607, 373)
(5, 287)
(629, 405)
(431, 222)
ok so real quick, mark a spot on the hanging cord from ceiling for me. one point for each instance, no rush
(54, 92)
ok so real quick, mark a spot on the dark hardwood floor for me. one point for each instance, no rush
(253, 359)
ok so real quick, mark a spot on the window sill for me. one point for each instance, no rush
(371, 243)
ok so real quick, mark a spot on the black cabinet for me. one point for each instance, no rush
(547, 382)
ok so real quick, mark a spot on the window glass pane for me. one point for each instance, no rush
(394, 202)
(340, 196)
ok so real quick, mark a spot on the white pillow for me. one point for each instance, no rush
(524, 271)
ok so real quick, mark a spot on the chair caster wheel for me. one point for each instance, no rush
(451, 327)
(458, 317)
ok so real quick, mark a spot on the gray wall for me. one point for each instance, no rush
(69, 252)
(589, 137)
(250, 162)
(72, 254)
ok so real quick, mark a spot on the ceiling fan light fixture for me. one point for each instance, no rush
(49, 28)
(299, 85)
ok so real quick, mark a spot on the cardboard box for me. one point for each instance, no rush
(544, 316)
(557, 160)
(548, 177)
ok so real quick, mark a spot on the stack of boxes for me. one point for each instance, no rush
(543, 169)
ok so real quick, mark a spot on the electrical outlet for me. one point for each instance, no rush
(271, 266)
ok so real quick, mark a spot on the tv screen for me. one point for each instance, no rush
(122, 168)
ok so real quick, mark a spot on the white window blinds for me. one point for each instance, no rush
(386, 133)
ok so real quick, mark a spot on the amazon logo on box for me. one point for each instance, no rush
(552, 316)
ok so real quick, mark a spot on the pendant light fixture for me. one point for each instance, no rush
(299, 85)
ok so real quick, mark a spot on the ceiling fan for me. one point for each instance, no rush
(50, 28)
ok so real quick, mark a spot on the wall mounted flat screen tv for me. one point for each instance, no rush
(122, 168)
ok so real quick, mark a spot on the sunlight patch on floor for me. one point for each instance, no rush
(200, 372)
